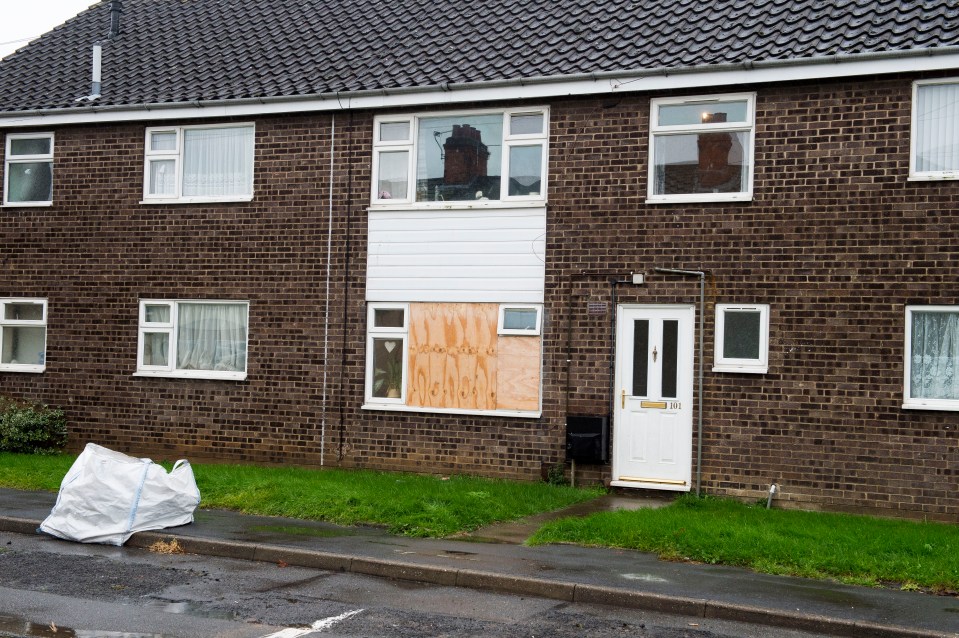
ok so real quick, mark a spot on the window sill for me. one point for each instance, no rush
(197, 200)
(703, 198)
(466, 205)
(744, 369)
(21, 369)
(944, 406)
(27, 204)
(933, 177)
(207, 376)
(393, 407)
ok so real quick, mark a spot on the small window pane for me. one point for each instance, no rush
(30, 146)
(741, 332)
(394, 131)
(163, 177)
(164, 141)
(525, 170)
(156, 349)
(388, 317)
(701, 163)
(23, 311)
(393, 180)
(520, 318)
(30, 182)
(388, 367)
(526, 124)
(459, 158)
(23, 345)
(709, 113)
(934, 368)
(158, 313)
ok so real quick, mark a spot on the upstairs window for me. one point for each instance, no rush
(198, 164)
(460, 159)
(932, 358)
(701, 149)
(200, 339)
(23, 335)
(935, 130)
(29, 170)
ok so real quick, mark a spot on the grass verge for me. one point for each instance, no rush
(410, 504)
(852, 549)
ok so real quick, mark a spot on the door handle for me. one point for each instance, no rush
(624, 399)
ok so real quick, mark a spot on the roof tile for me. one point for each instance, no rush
(175, 51)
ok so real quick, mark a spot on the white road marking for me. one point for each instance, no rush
(319, 625)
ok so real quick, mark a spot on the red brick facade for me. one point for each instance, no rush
(835, 240)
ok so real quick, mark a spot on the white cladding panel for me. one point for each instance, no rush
(488, 255)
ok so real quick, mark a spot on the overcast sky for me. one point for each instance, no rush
(24, 20)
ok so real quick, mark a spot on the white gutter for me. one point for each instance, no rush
(609, 82)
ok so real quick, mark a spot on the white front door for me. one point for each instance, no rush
(653, 421)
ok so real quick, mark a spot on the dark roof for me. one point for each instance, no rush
(171, 51)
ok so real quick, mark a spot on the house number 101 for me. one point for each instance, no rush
(675, 405)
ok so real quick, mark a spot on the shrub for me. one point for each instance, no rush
(556, 475)
(31, 428)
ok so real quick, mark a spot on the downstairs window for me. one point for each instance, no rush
(198, 339)
(932, 358)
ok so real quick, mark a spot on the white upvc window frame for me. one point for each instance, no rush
(374, 332)
(409, 145)
(25, 159)
(759, 365)
(915, 403)
(171, 328)
(914, 174)
(532, 332)
(23, 323)
(177, 155)
(748, 127)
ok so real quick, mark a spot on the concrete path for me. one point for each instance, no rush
(562, 572)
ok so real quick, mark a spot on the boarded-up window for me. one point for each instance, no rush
(456, 360)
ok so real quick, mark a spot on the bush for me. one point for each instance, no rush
(31, 428)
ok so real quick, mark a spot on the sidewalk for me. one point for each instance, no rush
(562, 572)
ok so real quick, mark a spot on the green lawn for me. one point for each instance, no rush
(853, 549)
(411, 504)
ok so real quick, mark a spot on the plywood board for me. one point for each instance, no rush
(518, 371)
(452, 355)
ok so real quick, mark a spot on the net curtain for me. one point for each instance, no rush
(212, 337)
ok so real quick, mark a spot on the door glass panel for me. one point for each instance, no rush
(670, 357)
(640, 357)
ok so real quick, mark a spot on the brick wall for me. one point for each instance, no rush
(835, 240)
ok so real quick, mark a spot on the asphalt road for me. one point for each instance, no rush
(56, 589)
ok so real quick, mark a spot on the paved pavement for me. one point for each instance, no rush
(563, 572)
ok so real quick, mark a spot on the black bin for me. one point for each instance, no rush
(587, 439)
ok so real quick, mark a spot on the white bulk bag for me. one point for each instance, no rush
(107, 496)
